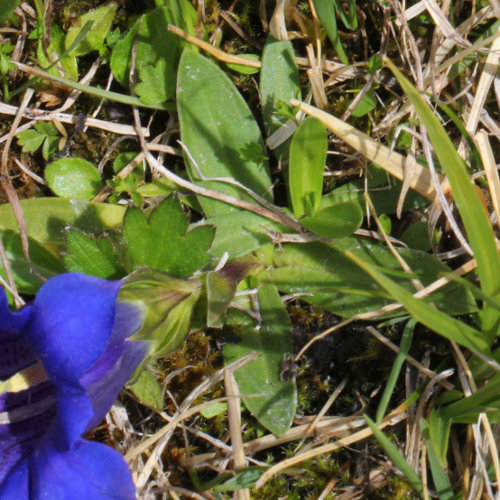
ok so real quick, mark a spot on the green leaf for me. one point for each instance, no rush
(336, 221)
(154, 42)
(441, 479)
(417, 236)
(467, 409)
(147, 390)
(475, 219)
(47, 218)
(157, 83)
(279, 82)
(87, 255)
(396, 457)
(431, 317)
(101, 18)
(44, 261)
(367, 104)
(350, 19)
(159, 187)
(325, 11)
(66, 61)
(221, 287)
(32, 139)
(275, 408)
(241, 68)
(6, 8)
(307, 163)
(244, 478)
(163, 242)
(214, 410)
(220, 133)
(239, 233)
(167, 305)
(384, 200)
(341, 287)
(404, 348)
(439, 432)
(73, 178)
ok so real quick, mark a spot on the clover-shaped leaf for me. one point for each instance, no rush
(162, 241)
(43, 133)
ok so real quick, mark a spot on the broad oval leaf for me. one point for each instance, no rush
(279, 82)
(48, 218)
(219, 132)
(307, 162)
(275, 408)
(73, 178)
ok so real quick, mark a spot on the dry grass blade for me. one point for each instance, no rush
(390, 161)
(491, 171)
(43, 115)
(392, 419)
(217, 53)
(6, 185)
(234, 421)
(444, 25)
(216, 377)
(487, 76)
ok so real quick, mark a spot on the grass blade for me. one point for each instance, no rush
(475, 219)
(395, 456)
(396, 368)
(434, 319)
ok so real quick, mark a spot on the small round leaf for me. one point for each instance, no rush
(73, 178)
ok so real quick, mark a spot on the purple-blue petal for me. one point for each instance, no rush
(12, 321)
(88, 471)
(78, 331)
(72, 322)
(15, 354)
(25, 417)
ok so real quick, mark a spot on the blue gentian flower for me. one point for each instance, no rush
(63, 361)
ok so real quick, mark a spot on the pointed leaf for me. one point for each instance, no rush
(101, 18)
(326, 14)
(220, 133)
(395, 456)
(147, 389)
(221, 287)
(330, 279)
